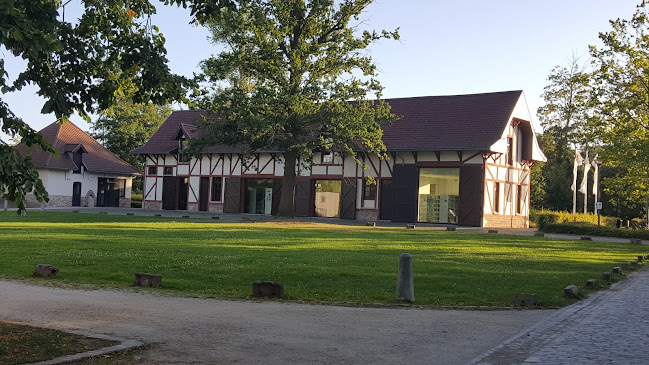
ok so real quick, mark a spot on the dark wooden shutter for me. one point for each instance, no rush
(386, 199)
(232, 195)
(169, 193)
(470, 200)
(405, 186)
(204, 195)
(303, 200)
(277, 195)
(348, 199)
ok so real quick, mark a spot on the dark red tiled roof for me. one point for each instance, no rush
(428, 123)
(67, 137)
(457, 122)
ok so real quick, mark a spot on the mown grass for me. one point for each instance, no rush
(316, 262)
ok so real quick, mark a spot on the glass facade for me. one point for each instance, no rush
(259, 196)
(327, 198)
(439, 189)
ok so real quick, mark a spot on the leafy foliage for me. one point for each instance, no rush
(293, 78)
(77, 68)
(126, 125)
(622, 94)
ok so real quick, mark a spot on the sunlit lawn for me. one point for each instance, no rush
(316, 262)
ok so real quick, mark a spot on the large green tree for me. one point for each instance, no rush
(563, 116)
(126, 125)
(77, 68)
(293, 76)
(622, 93)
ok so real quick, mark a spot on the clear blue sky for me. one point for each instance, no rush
(446, 47)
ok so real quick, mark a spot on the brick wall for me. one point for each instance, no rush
(367, 214)
(153, 205)
(505, 221)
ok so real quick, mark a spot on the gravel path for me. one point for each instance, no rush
(209, 331)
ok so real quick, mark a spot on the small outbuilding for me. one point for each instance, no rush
(85, 174)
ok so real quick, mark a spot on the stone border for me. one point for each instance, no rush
(123, 345)
(545, 330)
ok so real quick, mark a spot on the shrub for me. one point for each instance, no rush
(589, 229)
(136, 200)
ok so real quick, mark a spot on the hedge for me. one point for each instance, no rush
(589, 229)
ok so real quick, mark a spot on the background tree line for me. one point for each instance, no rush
(599, 104)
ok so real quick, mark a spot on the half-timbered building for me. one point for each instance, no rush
(462, 159)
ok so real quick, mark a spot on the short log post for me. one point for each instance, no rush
(607, 275)
(640, 258)
(405, 283)
(45, 271)
(617, 270)
(571, 291)
(590, 282)
(147, 280)
(267, 289)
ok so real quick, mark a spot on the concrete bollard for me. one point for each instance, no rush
(148, 280)
(405, 283)
(607, 275)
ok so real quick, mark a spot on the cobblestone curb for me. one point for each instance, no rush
(124, 345)
(607, 327)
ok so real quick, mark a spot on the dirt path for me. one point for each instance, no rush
(202, 331)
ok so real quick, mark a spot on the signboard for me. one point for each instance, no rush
(598, 205)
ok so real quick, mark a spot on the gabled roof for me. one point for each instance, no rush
(429, 123)
(67, 137)
(456, 122)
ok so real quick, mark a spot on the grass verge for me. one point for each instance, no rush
(21, 344)
(316, 262)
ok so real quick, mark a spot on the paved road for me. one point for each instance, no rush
(208, 331)
(610, 327)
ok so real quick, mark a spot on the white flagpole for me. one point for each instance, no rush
(584, 183)
(575, 165)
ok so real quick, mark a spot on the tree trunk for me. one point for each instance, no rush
(286, 202)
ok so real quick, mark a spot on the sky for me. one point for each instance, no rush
(446, 47)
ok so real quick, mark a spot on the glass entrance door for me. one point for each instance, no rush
(439, 189)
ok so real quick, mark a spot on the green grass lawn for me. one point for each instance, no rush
(316, 262)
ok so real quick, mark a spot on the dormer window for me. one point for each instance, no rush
(75, 152)
(78, 160)
(183, 143)
(327, 157)
(183, 137)
(510, 151)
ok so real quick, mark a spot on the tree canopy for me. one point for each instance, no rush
(621, 92)
(294, 77)
(77, 68)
